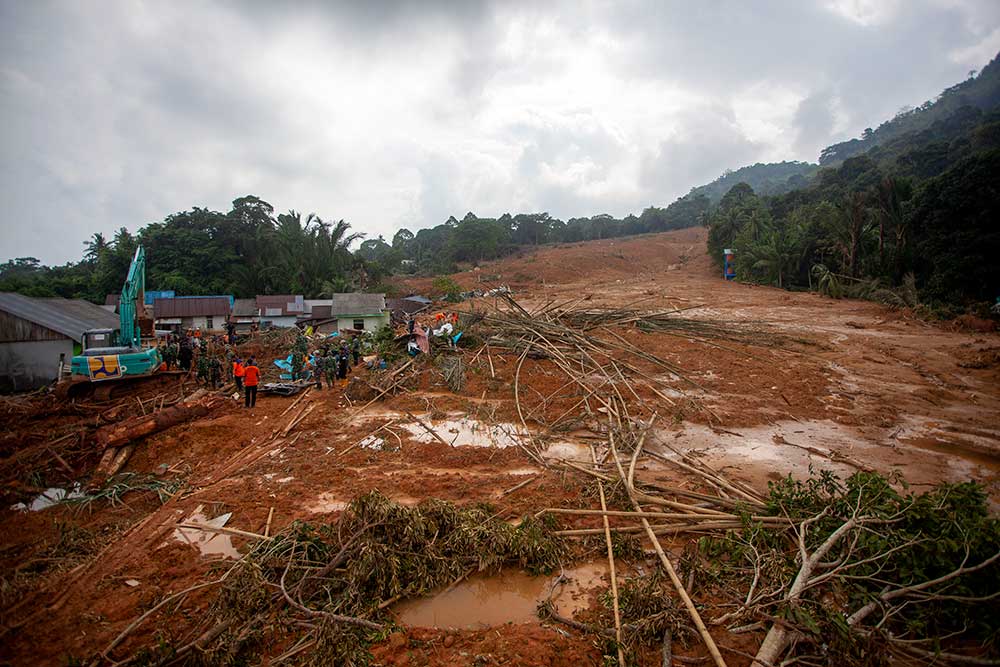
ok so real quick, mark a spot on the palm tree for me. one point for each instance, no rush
(854, 224)
(774, 254)
(97, 244)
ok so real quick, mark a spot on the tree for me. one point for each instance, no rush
(95, 246)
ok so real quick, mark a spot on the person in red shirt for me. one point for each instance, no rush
(251, 378)
(238, 372)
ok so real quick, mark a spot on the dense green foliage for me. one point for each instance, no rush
(899, 541)
(249, 251)
(473, 239)
(923, 203)
(765, 179)
(982, 92)
(244, 252)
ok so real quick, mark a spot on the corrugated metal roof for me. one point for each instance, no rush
(70, 317)
(290, 304)
(191, 307)
(321, 311)
(244, 308)
(405, 306)
(357, 303)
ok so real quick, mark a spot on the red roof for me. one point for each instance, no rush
(289, 304)
(191, 307)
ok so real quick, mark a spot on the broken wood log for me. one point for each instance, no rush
(130, 430)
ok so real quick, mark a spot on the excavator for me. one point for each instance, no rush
(116, 356)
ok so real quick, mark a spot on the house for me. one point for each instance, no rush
(36, 335)
(280, 310)
(401, 309)
(208, 313)
(244, 314)
(349, 311)
(148, 297)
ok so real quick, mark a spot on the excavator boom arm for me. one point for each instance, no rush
(132, 291)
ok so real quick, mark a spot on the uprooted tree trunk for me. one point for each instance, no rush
(118, 440)
(122, 433)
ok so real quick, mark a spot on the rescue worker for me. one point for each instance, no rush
(343, 361)
(251, 378)
(356, 349)
(238, 373)
(318, 365)
(330, 364)
(215, 372)
(203, 368)
(299, 352)
(186, 354)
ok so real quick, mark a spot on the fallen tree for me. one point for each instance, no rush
(118, 440)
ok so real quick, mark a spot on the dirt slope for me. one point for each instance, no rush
(851, 385)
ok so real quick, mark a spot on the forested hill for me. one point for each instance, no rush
(767, 179)
(916, 195)
(977, 92)
(912, 221)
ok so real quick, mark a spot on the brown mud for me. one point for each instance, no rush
(853, 385)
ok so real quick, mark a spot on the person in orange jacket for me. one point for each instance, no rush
(251, 378)
(238, 372)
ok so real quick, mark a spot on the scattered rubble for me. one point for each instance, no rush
(581, 461)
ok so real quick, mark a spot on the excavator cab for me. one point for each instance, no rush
(97, 342)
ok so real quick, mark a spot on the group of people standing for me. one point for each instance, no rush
(246, 375)
(334, 363)
(191, 351)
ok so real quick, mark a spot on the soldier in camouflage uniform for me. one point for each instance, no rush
(203, 368)
(215, 372)
(318, 369)
(299, 352)
(170, 354)
(330, 368)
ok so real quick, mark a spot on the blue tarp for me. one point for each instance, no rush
(286, 365)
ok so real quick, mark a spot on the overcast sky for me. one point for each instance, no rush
(394, 114)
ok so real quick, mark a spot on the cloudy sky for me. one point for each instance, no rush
(389, 114)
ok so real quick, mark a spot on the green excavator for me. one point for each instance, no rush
(114, 355)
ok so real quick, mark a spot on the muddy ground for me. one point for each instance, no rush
(850, 385)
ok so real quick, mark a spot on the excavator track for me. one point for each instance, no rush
(81, 388)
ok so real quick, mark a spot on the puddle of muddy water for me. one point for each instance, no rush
(568, 451)
(48, 498)
(509, 597)
(975, 457)
(326, 502)
(466, 432)
(462, 431)
(207, 542)
(755, 455)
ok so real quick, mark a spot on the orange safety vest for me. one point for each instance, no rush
(238, 370)
(252, 376)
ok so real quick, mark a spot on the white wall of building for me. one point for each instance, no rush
(371, 322)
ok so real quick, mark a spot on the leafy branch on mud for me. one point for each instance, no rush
(327, 585)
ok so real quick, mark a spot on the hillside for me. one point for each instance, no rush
(979, 92)
(766, 179)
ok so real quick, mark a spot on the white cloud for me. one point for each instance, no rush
(402, 113)
(976, 55)
(865, 12)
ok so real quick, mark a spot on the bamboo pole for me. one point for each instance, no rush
(611, 567)
(692, 610)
